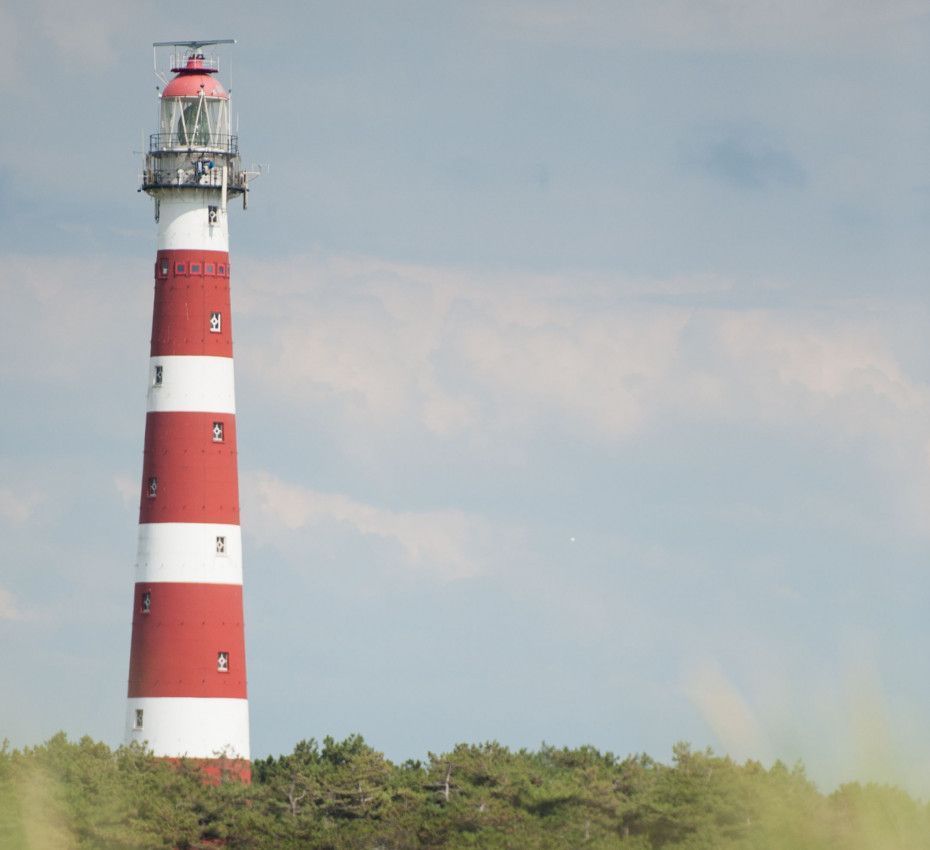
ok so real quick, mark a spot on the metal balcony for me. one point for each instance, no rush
(206, 142)
(190, 178)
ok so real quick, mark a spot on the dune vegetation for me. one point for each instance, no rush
(344, 794)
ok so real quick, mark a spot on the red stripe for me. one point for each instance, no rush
(185, 301)
(196, 479)
(174, 646)
(218, 771)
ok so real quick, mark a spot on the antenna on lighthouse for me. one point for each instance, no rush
(193, 45)
(190, 48)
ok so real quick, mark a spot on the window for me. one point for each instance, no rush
(221, 270)
(213, 214)
(158, 376)
(220, 545)
(164, 267)
(208, 268)
(153, 487)
(138, 722)
(216, 322)
(222, 662)
(145, 602)
(217, 432)
(179, 268)
(195, 268)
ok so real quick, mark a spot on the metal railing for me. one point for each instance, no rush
(189, 177)
(221, 142)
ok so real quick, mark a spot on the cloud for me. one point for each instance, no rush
(487, 362)
(484, 360)
(128, 489)
(8, 608)
(450, 351)
(826, 361)
(741, 160)
(17, 507)
(437, 543)
(57, 331)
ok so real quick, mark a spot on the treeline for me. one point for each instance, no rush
(343, 794)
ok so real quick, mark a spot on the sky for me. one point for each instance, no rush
(583, 393)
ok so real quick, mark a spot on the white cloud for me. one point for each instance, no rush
(448, 351)
(17, 507)
(128, 489)
(8, 608)
(838, 374)
(56, 330)
(485, 361)
(826, 361)
(439, 543)
(451, 352)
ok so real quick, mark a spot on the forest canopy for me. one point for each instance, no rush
(344, 794)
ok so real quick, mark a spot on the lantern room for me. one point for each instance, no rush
(194, 147)
(194, 108)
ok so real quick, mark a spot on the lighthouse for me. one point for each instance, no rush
(187, 678)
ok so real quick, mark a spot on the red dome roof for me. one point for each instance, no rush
(192, 78)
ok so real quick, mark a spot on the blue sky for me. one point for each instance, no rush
(583, 386)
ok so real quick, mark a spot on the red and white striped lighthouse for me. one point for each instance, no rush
(187, 682)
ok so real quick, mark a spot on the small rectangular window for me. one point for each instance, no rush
(138, 721)
(179, 268)
(145, 602)
(220, 545)
(213, 214)
(208, 268)
(216, 322)
(153, 487)
(217, 432)
(195, 268)
(158, 376)
(164, 267)
(222, 662)
(221, 270)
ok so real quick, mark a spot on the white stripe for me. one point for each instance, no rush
(187, 551)
(184, 221)
(192, 383)
(190, 726)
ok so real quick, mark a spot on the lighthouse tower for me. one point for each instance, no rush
(187, 683)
